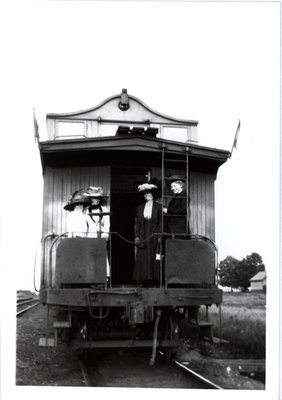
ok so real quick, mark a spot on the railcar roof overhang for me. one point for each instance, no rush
(125, 151)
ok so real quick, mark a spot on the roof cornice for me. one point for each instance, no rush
(77, 113)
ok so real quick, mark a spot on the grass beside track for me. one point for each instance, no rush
(243, 323)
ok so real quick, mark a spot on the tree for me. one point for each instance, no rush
(248, 268)
(226, 271)
(237, 274)
(255, 261)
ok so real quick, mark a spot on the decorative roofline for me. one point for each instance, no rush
(72, 114)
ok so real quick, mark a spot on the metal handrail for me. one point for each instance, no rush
(43, 266)
(50, 256)
(35, 266)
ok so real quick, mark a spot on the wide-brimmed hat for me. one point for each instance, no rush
(94, 192)
(175, 178)
(147, 187)
(77, 198)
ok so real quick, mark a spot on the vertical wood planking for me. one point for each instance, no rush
(47, 215)
(46, 177)
(57, 212)
(211, 206)
(202, 204)
(59, 184)
(45, 227)
(193, 202)
(66, 191)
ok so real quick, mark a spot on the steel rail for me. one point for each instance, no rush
(22, 302)
(19, 299)
(26, 309)
(201, 378)
(85, 374)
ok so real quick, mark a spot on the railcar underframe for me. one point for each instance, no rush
(115, 317)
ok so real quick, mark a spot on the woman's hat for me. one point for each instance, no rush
(94, 192)
(77, 198)
(175, 178)
(147, 187)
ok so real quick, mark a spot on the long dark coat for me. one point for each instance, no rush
(145, 265)
(177, 214)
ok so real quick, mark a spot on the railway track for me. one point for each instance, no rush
(204, 381)
(126, 368)
(26, 303)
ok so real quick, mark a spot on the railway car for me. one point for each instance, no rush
(87, 285)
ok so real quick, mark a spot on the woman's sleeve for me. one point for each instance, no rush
(137, 223)
(106, 224)
(159, 217)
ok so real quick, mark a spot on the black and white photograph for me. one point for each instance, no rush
(140, 176)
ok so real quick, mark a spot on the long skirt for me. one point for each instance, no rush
(145, 265)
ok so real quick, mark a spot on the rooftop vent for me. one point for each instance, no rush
(124, 101)
(137, 131)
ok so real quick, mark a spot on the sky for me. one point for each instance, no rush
(214, 62)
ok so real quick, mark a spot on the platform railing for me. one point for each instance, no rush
(167, 235)
(49, 267)
(44, 264)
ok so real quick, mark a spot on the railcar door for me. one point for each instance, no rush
(124, 200)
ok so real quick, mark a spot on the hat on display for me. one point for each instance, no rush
(147, 187)
(94, 192)
(77, 198)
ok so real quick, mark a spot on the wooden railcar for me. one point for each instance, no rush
(118, 145)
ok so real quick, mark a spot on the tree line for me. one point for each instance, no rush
(237, 274)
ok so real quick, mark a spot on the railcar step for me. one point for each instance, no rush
(201, 324)
(61, 324)
(62, 320)
(218, 340)
(47, 342)
(205, 323)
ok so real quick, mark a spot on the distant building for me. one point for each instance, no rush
(258, 282)
(228, 289)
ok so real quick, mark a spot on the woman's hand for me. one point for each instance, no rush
(137, 241)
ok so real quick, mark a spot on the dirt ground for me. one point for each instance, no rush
(57, 366)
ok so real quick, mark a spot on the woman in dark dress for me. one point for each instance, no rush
(148, 222)
(177, 207)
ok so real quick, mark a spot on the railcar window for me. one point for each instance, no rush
(178, 134)
(70, 129)
(108, 129)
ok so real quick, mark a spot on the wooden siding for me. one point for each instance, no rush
(258, 285)
(59, 184)
(202, 217)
